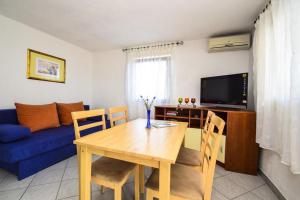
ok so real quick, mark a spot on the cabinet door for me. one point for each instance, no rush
(221, 154)
(193, 138)
(241, 148)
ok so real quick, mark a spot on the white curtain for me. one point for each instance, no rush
(148, 74)
(276, 79)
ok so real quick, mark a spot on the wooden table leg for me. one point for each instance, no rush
(137, 183)
(142, 179)
(164, 180)
(85, 174)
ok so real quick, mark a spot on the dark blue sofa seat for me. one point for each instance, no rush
(44, 148)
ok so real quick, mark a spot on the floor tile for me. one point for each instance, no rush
(71, 173)
(45, 185)
(71, 198)
(131, 179)
(48, 177)
(248, 196)
(70, 188)
(95, 187)
(128, 192)
(217, 195)
(228, 188)
(108, 195)
(265, 193)
(45, 192)
(148, 172)
(248, 182)
(3, 174)
(221, 171)
(217, 175)
(11, 182)
(12, 194)
(59, 165)
(72, 162)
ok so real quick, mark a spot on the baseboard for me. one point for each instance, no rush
(271, 186)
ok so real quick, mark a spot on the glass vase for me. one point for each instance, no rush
(148, 119)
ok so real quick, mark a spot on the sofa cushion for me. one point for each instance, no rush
(12, 132)
(9, 116)
(37, 117)
(41, 142)
(64, 111)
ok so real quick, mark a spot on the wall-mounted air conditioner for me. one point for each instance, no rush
(229, 43)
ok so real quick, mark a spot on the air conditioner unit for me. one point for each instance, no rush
(229, 43)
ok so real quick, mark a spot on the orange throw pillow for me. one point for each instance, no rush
(65, 109)
(37, 117)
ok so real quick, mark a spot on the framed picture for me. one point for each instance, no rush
(41, 66)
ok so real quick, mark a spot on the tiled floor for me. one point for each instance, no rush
(60, 181)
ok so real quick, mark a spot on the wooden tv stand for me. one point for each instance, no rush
(241, 150)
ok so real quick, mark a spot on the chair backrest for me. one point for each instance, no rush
(204, 135)
(214, 133)
(85, 114)
(207, 120)
(121, 110)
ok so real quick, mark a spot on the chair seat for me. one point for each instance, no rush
(111, 170)
(188, 156)
(186, 182)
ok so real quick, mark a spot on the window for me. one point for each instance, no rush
(148, 74)
(152, 77)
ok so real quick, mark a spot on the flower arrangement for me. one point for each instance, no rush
(148, 104)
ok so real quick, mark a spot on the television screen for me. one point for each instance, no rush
(228, 91)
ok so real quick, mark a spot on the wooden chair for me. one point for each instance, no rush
(192, 157)
(123, 110)
(119, 109)
(107, 172)
(188, 182)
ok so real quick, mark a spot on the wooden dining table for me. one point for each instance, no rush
(132, 142)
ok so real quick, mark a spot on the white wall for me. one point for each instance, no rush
(15, 39)
(280, 175)
(109, 78)
(190, 62)
(270, 164)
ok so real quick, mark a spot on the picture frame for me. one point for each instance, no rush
(45, 67)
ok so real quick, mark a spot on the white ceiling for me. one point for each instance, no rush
(108, 24)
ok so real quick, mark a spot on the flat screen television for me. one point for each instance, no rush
(225, 91)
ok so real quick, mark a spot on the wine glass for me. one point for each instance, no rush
(186, 100)
(193, 101)
(180, 100)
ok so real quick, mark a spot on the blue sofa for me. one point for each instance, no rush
(42, 149)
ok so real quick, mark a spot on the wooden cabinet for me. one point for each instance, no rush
(238, 152)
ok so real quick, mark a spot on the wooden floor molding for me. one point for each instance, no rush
(272, 186)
